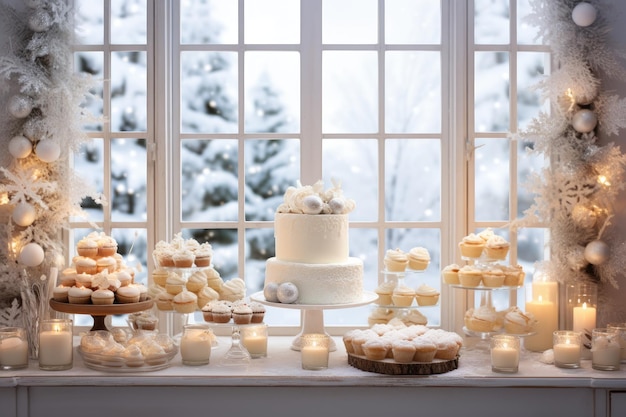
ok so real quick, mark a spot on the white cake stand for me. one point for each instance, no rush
(313, 317)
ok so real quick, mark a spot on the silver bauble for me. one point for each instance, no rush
(39, 20)
(597, 252)
(584, 216)
(20, 106)
(20, 146)
(584, 14)
(584, 121)
(48, 150)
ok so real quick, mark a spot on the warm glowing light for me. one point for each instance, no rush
(4, 198)
(603, 180)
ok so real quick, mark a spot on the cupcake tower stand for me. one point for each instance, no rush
(100, 312)
(313, 315)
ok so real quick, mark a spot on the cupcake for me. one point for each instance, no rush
(128, 294)
(496, 248)
(396, 260)
(448, 344)
(213, 279)
(68, 277)
(174, 284)
(87, 247)
(375, 349)
(360, 339)
(185, 302)
(79, 295)
(143, 291)
(347, 339)
(159, 276)
(106, 263)
(482, 319)
(384, 291)
(242, 314)
(486, 234)
(84, 280)
(403, 296)
(403, 351)
(470, 276)
(493, 278)
(207, 312)
(204, 254)
(206, 295)
(183, 259)
(517, 321)
(450, 274)
(472, 246)
(513, 275)
(380, 316)
(124, 277)
(196, 281)
(258, 312)
(426, 295)
(102, 296)
(222, 313)
(107, 246)
(419, 258)
(166, 258)
(85, 265)
(425, 349)
(59, 293)
(164, 301)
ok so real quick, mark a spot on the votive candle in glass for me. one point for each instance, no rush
(13, 348)
(620, 329)
(55, 344)
(605, 350)
(254, 339)
(505, 350)
(567, 347)
(542, 300)
(195, 344)
(314, 351)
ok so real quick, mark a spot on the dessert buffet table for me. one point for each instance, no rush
(277, 386)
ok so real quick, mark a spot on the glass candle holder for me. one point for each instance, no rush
(55, 344)
(582, 298)
(620, 329)
(605, 350)
(542, 300)
(254, 339)
(567, 346)
(505, 350)
(195, 344)
(13, 348)
(314, 350)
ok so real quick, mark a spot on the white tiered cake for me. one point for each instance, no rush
(311, 231)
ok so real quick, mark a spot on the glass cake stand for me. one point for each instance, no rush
(313, 314)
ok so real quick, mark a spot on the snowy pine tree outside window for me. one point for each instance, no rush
(213, 108)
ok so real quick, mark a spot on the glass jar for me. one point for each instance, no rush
(605, 350)
(567, 345)
(505, 351)
(195, 344)
(55, 344)
(13, 348)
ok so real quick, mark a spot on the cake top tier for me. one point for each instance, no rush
(314, 199)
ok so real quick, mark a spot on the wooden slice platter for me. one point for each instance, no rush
(390, 367)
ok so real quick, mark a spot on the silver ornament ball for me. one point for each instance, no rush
(39, 20)
(584, 121)
(584, 14)
(597, 252)
(20, 106)
(20, 146)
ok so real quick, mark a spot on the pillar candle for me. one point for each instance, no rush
(55, 347)
(543, 304)
(195, 346)
(13, 352)
(584, 319)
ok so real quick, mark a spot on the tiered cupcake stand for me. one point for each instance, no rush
(100, 312)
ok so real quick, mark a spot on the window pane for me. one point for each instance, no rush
(530, 70)
(272, 21)
(412, 22)
(271, 166)
(209, 91)
(208, 21)
(272, 89)
(224, 243)
(412, 174)
(89, 162)
(89, 18)
(259, 247)
(128, 180)
(92, 63)
(413, 92)
(492, 179)
(491, 92)
(527, 164)
(128, 91)
(209, 181)
(340, 23)
(349, 92)
(491, 21)
(526, 33)
(354, 163)
(132, 244)
(128, 22)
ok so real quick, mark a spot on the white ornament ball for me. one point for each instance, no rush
(287, 293)
(20, 106)
(20, 146)
(270, 292)
(597, 252)
(312, 204)
(48, 150)
(31, 255)
(39, 20)
(337, 205)
(584, 121)
(24, 214)
(584, 14)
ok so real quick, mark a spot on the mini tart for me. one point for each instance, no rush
(470, 276)
(102, 297)
(185, 302)
(60, 293)
(106, 263)
(79, 295)
(159, 276)
(497, 248)
(493, 278)
(87, 247)
(450, 274)
(426, 295)
(396, 260)
(472, 246)
(85, 265)
(419, 258)
(128, 294)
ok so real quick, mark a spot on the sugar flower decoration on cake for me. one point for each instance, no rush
(313, 199)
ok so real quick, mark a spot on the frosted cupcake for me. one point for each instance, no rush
(79, 295)
(384, 292)
(403, 296)
(375, 349)
(107, 246)
(204, 254)
(497, 248)
(213, 279)
(87, 247)
(513, 275)
(221, 313)
(493, 278)
(196, 281)
(450, 274)
(242, 314)
(183, 259)
(102, 296)
(258, 312)
(159, 276)
(128, 294)
(396, 260)
(85, 265)
(403, 351)
(59, 293)
(472, 246)
(68, 277)
(379, 316)
(425, 295)
(517, 321)
(206, 295)
(425, 349)
(419, 258)
(185, 302)
(106, 263)
(482, 319)
(174, 284)
(470, 276)
(164, 301)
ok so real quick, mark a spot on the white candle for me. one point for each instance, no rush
(504, 357)
(567, 353)
(195, 346)
(314, 357)
(543, 304)
(55, 347)
(605, 350)
(610, 356)
(13, 352)
(256, 344)
(584, 319)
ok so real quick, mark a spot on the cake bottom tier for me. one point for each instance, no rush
(337, 283)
